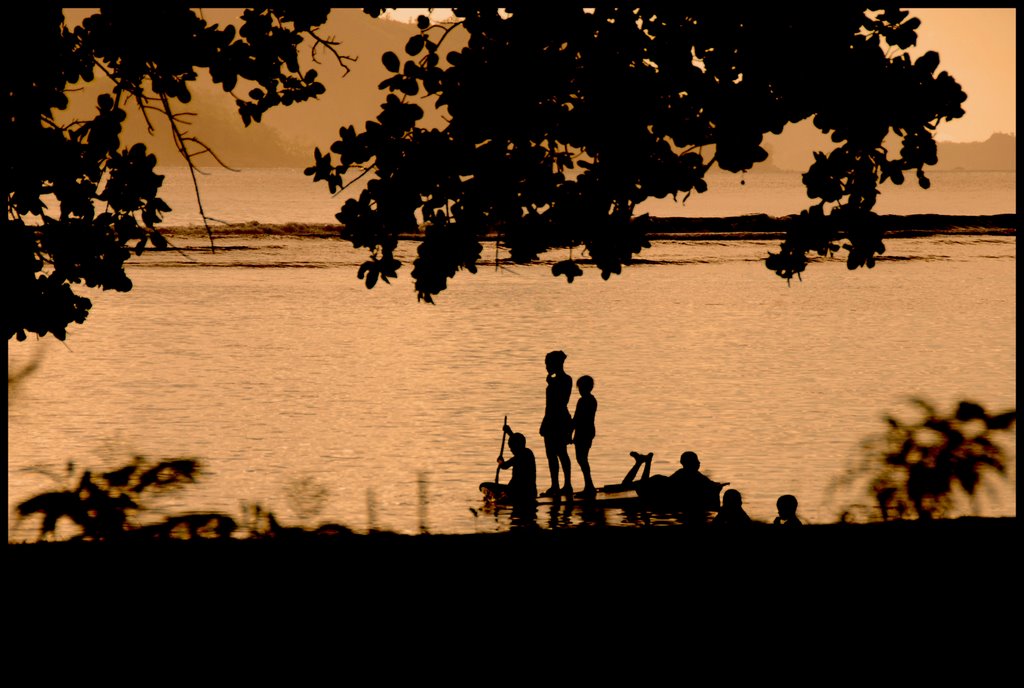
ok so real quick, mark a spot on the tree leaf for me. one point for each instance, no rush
(414, 45)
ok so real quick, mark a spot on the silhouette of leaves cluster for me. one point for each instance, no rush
(561, 120)
(105, 506)
(922, 466)
(109, 506)
(78, 203)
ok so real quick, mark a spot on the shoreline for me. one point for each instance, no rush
(967, 533)
(736, 228)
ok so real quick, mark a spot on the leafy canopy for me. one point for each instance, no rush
(78, 203)
(560, 121)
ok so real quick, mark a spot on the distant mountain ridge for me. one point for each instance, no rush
(793, 150)
(999, 152)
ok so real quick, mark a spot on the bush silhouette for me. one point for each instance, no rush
(106, 506)
(925, 467)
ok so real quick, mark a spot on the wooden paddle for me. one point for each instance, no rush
(501, 452)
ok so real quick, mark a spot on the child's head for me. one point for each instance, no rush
(689, 461)
(516, 441)
(554, 360)
(731, 499)
(585, 384)
(786, 505)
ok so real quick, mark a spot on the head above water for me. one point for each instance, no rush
(786, 505)
(689, 461)
(585, 384)
(516, 441)
(732, 499)
(554, 360)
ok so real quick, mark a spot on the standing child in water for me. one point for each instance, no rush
(556, 428)
(583, 431)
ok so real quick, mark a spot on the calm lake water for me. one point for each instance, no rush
(307, 394)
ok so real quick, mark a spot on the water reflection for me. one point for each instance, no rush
(576, 514)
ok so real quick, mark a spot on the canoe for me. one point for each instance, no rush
(608, 497)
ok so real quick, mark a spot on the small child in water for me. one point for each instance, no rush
(732, 513)
(522, 487)
(786, 505)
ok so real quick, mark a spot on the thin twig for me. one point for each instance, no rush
(180, 144)
(328, 44)
(346, 185)
(447, 26)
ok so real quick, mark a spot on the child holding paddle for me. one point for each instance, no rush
(522, 487)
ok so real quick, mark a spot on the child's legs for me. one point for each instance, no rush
(583, 459)
(551, 448)
(644, 459)
(558, 453)
(563, 457)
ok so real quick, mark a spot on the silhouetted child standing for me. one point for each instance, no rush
(786, 505)
(556, 428)
(583, 431)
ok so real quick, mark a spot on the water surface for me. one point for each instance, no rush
(311, 396)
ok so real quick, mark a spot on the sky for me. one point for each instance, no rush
(977, 46)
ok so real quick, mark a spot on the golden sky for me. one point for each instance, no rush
(979, 48)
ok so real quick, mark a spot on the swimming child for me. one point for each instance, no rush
(732, 513)
(786, 505)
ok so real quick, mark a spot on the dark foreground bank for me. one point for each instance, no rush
(831, 585)
(840, 551)
(920, 602)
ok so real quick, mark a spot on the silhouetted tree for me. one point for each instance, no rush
(562, 120)
(101, 198)
(926, 467)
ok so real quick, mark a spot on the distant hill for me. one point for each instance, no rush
(794, 150)
(999, 152)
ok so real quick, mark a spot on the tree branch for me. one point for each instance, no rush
(328, 44)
